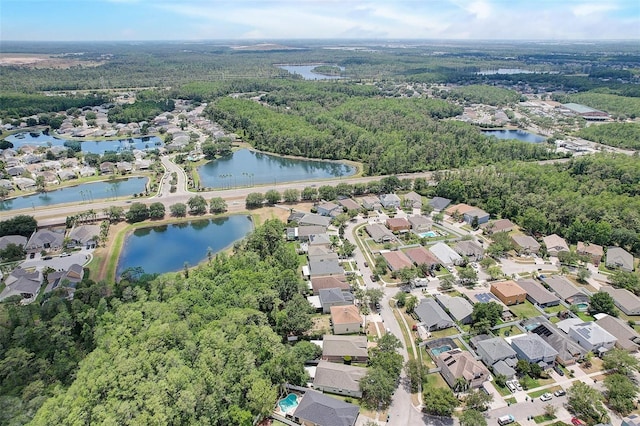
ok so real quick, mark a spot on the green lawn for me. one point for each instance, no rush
(510, 401)
(585, 316)
(524, 310)
(444, 333)
(554, 309)
(506, 331)
(543, 418)
(436, 380)
(539, 393)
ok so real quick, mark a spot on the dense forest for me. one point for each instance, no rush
(621, 135)
(205, 348)
(591, 198)
(16, 105)
(483, 94)
(387, 135)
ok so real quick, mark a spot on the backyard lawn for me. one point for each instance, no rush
(444, 333)
(555, 309)
(525, 310)
(436, 380)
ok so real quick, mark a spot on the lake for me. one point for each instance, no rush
(305, 72)
(77, 194)
(520, 135)
(247, 168)
(505, 71)
(94, 147)
(166, 248)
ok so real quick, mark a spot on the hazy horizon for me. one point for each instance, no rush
(251, 20)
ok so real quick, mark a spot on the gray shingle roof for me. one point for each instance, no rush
(324, 410)
(534, 347)
(431, 314)
(459, 307)
(496, 349)
(537, 292)
(339, 376)
(439, 203)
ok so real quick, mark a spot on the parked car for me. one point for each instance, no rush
(577, 422)
(518, 386)
(558, 370)
(546, 397)
(366, 264)
(505, 420)
(65, 254)
(560, 392)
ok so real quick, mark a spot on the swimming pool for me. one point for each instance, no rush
(582, 306)
(440, 349)
(428, 234)
(288, 404)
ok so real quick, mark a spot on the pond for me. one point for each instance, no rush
(166, 248)
(95, 147)
(505, 71)
(247, 168)
(520, 135)
(307, 74)
(87, 192)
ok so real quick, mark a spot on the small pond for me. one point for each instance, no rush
(247, 168)
(166, 248)
(306, 72)
(94, 147)
(520, 135)
(505, 71)
(87, 192)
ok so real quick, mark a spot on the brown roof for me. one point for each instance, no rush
(460, 208)
(397, 260)
(347, 314)
(589, 248)
(398, 222)
(420, 255)
(349, 204)
(320, 283)
(498, 225)
(508, 288)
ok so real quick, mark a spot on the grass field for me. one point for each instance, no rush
(525, 310)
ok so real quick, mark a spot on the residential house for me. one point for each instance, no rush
(432, 316)
(439, 203)
(469, 249)
(317, 409)
(420, 223)
(44, 239)
(626, 301)
(340, 379)
(6, 183)
(594, 251)
(18, 240)
(537, 294)
(413, 199)
(457, 364)
(524, 244)
(320, 240)
(24, 183)
(65, 280)
(617, 257)
(509, 292)
(22, 283)
(334, 297)
(336, 348)
(421, 256)
(310, 219)
(396, 260)
(371, 203)
(566, 290)
(569, 352)
(457, 307)
(500, 225)
(329, 209)
(626, 337)
(592, 337)
(555, 244)
(349, 204)
(380, 234)
(390, 201)
(304, 232)
(534, 349)
(86, 236)
(476, 215)
(87, 171)
(325, 266)
(445, 254)
(398, 224)
(107, 167)
(66, 174)
(498, 355)
(346, 319)
(336, 281)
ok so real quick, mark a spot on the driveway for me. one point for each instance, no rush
(58, 263)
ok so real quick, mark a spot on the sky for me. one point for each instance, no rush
(119, 20)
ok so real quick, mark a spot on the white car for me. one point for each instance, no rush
(546, 397)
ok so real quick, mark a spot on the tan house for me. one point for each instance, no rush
(458, 364)
(525, 244)
(340, 379)
(335, 281)
(509, 292)
(592, 250)
(555, 244)
(346, 319)
(336, 348)
(397, 260)
(500, 225)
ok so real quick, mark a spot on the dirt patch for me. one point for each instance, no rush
(45, 61)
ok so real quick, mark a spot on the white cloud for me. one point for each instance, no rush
(586, 9)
